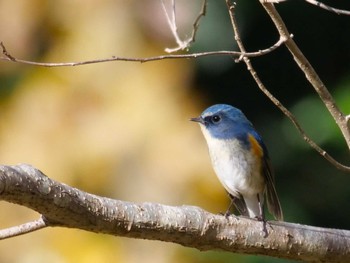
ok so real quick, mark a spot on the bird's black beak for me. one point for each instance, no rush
(198, 119)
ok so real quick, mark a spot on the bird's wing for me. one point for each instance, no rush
(273, 203)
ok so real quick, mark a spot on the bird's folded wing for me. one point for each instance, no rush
(273, 203)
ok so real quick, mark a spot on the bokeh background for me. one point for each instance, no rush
(121, 129)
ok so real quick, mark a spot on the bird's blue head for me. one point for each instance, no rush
(223, 121)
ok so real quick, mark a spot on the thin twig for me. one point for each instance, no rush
(309, 72)
(274, 1)
(275, 101)
(316, 3)
(328, 8)
(171, 19)
(6, 53)
(196, 22)
(172, 23)
(8, 57)
(22, 229)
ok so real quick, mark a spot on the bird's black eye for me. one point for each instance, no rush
(216, 118)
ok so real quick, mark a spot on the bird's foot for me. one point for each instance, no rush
(264, 222)
(226, 214)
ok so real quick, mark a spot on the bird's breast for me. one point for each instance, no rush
(237, 167)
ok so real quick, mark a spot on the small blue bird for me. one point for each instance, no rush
(240, 160)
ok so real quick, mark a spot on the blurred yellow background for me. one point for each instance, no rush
(115, 129)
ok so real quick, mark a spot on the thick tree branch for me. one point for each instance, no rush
(62, 205)
(309, 72)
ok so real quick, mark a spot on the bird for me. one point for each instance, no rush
(240, 160)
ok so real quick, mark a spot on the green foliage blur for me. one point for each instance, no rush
(119, 129)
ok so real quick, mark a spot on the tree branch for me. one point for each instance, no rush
(23, 229)
(196, 22)
(316, 3)
(171, 19)
(274, 100)
(328, 8)
(309, 72)
(64, 206)
(8, 57)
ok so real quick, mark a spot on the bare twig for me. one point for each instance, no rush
(171, 19)
(6, 53)
(274, 99)
(8, 57)
(22, 229)
(316, 3)
(274, 1)
(173, 27)
(328, 8)
(64, 206)
(196, 22)
(309, 72)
